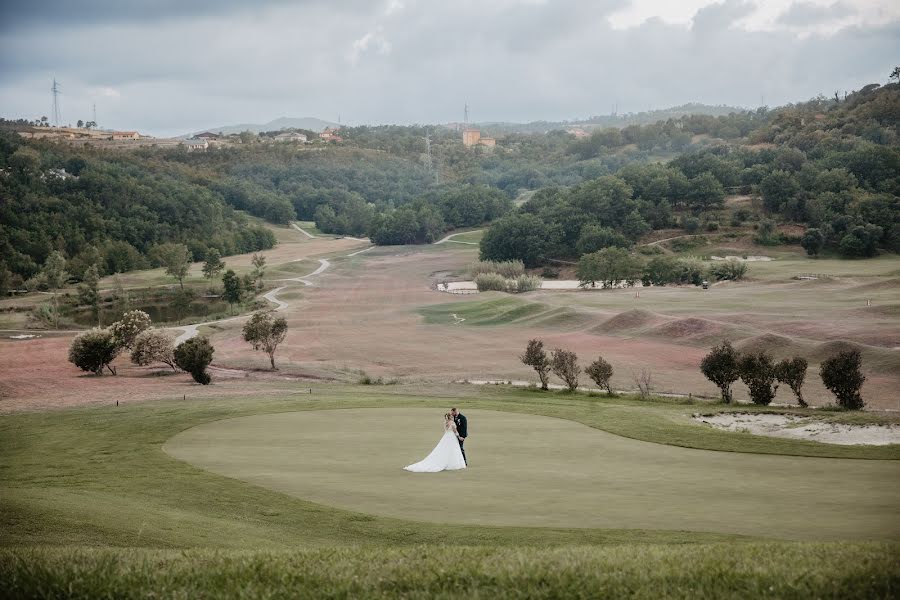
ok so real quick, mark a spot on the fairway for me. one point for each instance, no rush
(529, 470)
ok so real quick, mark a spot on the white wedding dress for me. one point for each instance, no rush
(446, 456)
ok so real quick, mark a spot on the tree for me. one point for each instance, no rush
(233, 290)
(259, 269)
(594, 238)
(213, 264)
(89, 291)
(126, 329)
(777, 188)
(93, 350)
(842, 375)
(609, 266)
(895, 74)
(25, 162)
(536, 358)
(601, 373)
(55, 275)
(758, 374)
(721, 367)
(812, 241)
(176, 258)
(265, 333)
(522, 237)
(79, 123)
(194, 356)
(792, 371)
(564, 364)
(861, 240)
(705, 192)
(153, 346)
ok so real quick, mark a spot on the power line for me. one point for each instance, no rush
(56, 93)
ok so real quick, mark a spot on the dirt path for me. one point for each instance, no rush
(303, 231)
(450, 239)
(190, 331)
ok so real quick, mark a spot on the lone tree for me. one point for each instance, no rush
(153, 346)
(842, 375)
(565, 366)
(194, 356)
(813, 241)
(233, 291)
(265, 333)
(176, 258)
(259, 269)
(601, 372)
(93, 350)
(213, 264)
(792, 371)
(55, 274)
(126, 329)
(536, 358)
(721, 367)
(758, 374)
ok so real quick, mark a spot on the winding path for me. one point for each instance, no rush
(189, 331)
(450, 239)
(303, 231)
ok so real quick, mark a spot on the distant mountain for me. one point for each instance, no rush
(310, 123)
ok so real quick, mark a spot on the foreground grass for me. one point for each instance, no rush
(843, 571)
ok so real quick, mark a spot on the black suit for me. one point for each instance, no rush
(462, 430)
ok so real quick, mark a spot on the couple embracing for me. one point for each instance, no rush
(449, 454)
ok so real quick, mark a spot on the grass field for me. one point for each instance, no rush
(104, 478)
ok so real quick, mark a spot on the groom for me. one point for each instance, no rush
(462, 430)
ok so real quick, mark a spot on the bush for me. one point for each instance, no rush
(93, 350)
(842, 375)
(691, 224)
(549, 273)
(792, 371)
(490, 282)
(153, 346)
(536, 358)
(721, 367)
(564, 364)
(126, 329)
(601, 373)
(758, 374)
(507, 268)
(712, 225)
(523, 283)
(728, 270)
(194, 356)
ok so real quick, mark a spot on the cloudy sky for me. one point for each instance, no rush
(172, 66)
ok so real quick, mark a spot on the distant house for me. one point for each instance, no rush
(472, 137)
(578, 132)
(330, 135)
(291, 136)
(207, 135)
(195, 145)
(125, 135)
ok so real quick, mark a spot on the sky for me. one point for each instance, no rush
(168, 67)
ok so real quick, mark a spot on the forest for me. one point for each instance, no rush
(831, 165)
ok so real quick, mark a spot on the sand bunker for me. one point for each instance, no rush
(804, 428)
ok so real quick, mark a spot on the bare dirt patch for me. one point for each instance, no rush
(804, 428)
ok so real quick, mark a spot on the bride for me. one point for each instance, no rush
(446, 456)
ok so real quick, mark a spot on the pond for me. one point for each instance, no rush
(169, 311)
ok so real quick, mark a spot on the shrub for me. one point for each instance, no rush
(721, 367)
(153, 346)
(813, 241)
(564, 364)
(490, 282)
(550, 273)
(523, 283)
(644, 382)
(792, 371)
(536, 358)
(842, 375)
(601, 373)
(194, 356)
(265, 332)
(758, 374)
(712, 225)
(728, 270)
(126, 329)
(691, 224)
(506, 268)
(93, 350)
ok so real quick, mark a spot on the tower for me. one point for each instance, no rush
(56, 92)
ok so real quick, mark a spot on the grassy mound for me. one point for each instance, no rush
(628, 321)
(775, 570)
(778, 346)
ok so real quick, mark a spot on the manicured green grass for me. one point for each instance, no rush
(470, 236)
(528, 470)
(844, 571)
